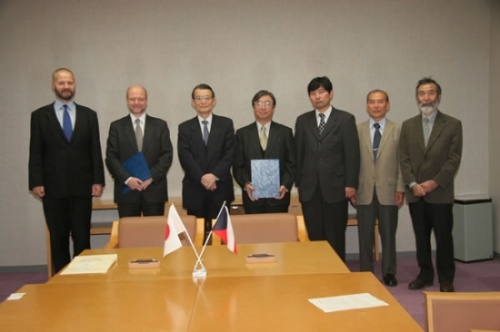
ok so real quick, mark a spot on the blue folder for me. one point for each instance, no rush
(137, 167)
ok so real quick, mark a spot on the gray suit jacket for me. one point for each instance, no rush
(157, 149)
(438, 161)
(280, 145)
(330, 161)
(384, 174)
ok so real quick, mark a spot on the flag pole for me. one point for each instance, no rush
(208, 238)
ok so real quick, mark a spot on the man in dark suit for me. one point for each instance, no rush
(430, 154)
(65, 167)
(326, 141)
(206, 146)
(381, 190)
(134, 133)
(265, 139)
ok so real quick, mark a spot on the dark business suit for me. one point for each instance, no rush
(326, 165)
(67, 170)
(197, 160)
(158, 152)
(438, 161)
(280, 145)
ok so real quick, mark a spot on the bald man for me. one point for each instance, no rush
(134, 133)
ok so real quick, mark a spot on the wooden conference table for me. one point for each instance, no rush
(234, 296)
(291, 258)
(253, 303)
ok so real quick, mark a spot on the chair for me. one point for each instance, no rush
(462, 311)
(266, 228)
(149, 231)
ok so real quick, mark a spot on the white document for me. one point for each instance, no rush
(15, 296)
(347, 302)
(90, 264)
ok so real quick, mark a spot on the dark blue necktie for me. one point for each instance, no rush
(67, 127)
(376, 140)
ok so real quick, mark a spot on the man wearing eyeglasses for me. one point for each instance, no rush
(265, 139)
(327, 144)
(206, 146)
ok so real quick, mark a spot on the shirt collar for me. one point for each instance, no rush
(381, 123)
(58, 105)
(209, 119)
(142, 118)
(326, 113)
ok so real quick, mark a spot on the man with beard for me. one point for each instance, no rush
(65, 167)
(430, 153)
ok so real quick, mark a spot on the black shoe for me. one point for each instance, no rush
(446, 287)
(419, 284)
(390, 280)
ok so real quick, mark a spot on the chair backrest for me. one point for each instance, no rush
(265, 228)
(149, 231)
(462, 311)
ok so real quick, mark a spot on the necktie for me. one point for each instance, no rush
(205, 131)
(427, 131)
(321, 126)
(138, 134)
(263, 138)
(67, 127)
(376, 140)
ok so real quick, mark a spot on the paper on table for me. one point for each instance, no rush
(15, 296)
(347, 302)
(90, 264)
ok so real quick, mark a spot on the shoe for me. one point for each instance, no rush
(419, 284)
(390, 280)
(446, 287)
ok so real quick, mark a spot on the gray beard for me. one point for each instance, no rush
(428, 109)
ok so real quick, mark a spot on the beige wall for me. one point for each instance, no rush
(495, 121)
(237, 47)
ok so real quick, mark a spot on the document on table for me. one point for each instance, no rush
(347, 302)
(90, 264)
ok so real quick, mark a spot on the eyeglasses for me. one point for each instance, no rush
(265, 104)
(202, 98)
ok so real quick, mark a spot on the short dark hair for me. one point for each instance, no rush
(380, 91)
(261, 94)
(428, 80)
(202, 86)
(319, 82)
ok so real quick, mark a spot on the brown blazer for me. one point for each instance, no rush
(383, 174)
(439, 161)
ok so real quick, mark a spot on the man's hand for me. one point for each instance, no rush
(146, 183)
(135, 184)
(249, 190)
(349, 192)
(282, 192)
(400, 198)
(209, 181)
(97, 189)
(38, 191)
(429, 185)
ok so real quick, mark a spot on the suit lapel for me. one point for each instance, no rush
(271, 139)
(313, 125)
(385, 136)
(439, 124)
(367, 139)
(52, 119)
(148, 133)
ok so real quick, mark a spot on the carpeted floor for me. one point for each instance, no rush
(470, 277)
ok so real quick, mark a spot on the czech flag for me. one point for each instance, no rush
(224, 229)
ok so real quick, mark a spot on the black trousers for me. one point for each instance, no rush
(425, 218)
(265, 208)
(65, 216)
(141, 208)
(326, 221)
